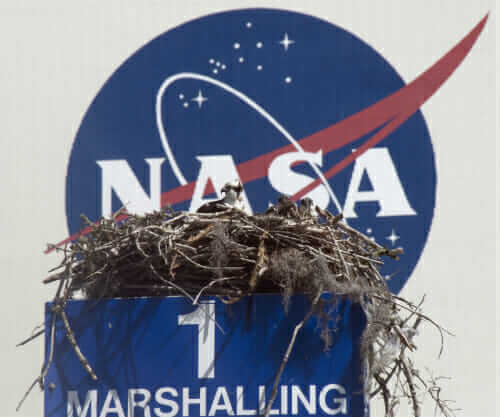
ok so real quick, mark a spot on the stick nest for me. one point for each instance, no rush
(227, 253)
(231, 255)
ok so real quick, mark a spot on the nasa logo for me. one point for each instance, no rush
(285, 102)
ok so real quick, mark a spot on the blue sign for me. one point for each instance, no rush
(164, 357)
(285, 102)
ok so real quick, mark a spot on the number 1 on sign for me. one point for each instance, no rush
(204, 318)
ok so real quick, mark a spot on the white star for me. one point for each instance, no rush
(199, 99)
(393, 237)
(286, 42)
(249, 25)
(288, 80)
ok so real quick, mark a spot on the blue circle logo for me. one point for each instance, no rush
(285, 102)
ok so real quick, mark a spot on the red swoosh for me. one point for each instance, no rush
(392, 111)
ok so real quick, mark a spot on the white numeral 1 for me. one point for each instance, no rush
(204, 318)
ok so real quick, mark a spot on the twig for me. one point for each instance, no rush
(296, 331)
(33, 336)
(261, 253)
(72, 340)
(45, 368)
(413, 393)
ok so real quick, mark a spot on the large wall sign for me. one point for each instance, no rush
(164, 357)
(288, 103)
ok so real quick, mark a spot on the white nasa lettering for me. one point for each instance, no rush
(387, 188)
(219, 169)
(203, 317)
(143, 403)
(284, 398)
(201, 401)
(73, 404)
(309, 404)
(221, 394)
(107, 408)
(160, 399)
(223, 401)
(342, 402)
(117, 176)
(286, 181)
(240, 407)
(263, 403)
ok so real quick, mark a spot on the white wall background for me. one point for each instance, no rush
(54, 57)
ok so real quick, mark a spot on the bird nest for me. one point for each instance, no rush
(230, 254)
